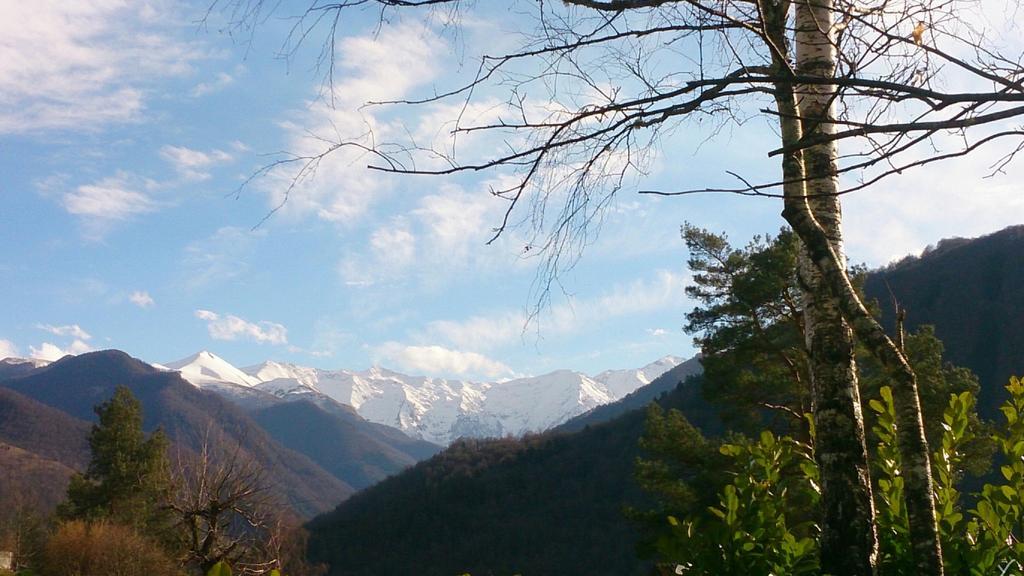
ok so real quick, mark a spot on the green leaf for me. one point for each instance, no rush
(220, 569)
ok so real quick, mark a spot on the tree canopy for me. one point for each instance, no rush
(127, 477)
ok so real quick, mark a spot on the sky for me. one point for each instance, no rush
(129, 132)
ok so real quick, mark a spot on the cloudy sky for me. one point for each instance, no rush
(127, 129)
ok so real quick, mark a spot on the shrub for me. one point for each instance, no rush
(80, 548)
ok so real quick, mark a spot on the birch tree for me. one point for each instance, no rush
(614, 77)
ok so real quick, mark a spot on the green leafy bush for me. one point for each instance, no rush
(763, 520)
(760, 523)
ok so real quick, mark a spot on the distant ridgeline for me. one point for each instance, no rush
(317, 454)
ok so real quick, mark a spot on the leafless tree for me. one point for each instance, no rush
(615, 76)
(224, 510)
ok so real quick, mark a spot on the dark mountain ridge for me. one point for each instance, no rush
(972, 291)
(342, 442)
(189, 416)
(546, 504)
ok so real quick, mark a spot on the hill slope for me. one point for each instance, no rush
(75, 384)
(972, 291)
(343, 443)
(42, 430)
(40, 448)
(31, 481)
(547, 504)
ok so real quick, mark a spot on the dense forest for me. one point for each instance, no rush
(972, 292)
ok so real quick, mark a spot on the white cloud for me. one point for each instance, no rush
(438, 360)
(141, 298)
(484, 332)
(50, 351)
(664, 292)
(379, 66)
(219, 258)
(83, 65)
(108, 199)
(222, 81)
(657, 332)
(394, 245)
(100, 204)
(8, 349)
(194, 164)
(229, 327)
(441, 237)
(457, 221)
(73, 330)
(906, 213)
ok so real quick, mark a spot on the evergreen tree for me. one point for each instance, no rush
(748, 324)
(127, 477)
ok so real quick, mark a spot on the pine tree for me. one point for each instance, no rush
(127, 474)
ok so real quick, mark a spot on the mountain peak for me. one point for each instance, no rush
(101, 364)
(205, 367)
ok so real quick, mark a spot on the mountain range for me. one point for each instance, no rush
(55, 406)
(433, 409)
(305, 426)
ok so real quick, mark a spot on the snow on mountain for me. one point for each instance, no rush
(289, 380)
(434, 409)
(538, 403)
(204, 368)
(621, 382)
(12, 366)
(25, 362)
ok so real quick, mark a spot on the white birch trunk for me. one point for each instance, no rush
(849, 544)
(830, 339)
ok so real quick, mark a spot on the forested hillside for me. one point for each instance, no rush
(546, 504)
(972, 291)
(40, 447)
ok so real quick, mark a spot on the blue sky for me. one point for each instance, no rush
(126, 129)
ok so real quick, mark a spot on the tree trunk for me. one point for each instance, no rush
(849, 542)
(816, 219)
(909, 426)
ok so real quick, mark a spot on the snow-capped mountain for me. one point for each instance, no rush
(13, 366)
(30, 363)
(434, 409)
(622, 382)
(204, 368)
